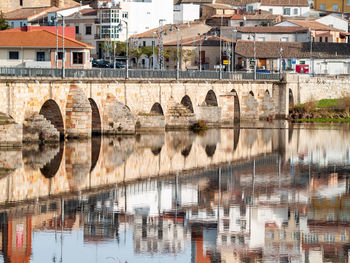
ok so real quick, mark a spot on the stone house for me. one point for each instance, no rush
(282, 7)
(320, 32)
(273, 33)
(199, 50)
(261, 19)
(37, 49)
(327, 58)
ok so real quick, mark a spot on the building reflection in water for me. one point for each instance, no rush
(226, 196)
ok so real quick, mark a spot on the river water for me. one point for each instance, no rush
(243, 195)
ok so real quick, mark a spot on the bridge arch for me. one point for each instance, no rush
(250, 108)
(51, 168)
(51, 111)
(157, 109)
(236, 108)
(95, 118)
(210, 99)
(210, 149)
(187, 102)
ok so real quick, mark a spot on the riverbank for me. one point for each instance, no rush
(327, 110)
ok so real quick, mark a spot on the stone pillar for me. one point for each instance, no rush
(281, 100)
(78, 114)
(227, 109)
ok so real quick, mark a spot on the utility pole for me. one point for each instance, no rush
(220, 51)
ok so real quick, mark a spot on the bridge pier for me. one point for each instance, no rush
(280, 96)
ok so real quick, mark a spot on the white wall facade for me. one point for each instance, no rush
(334, 21)
(26, 56)
(281, 10)
(285, 37)
(143, 16)
(184, 13)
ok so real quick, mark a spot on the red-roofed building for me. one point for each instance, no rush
(69, 31)
(37, 49)
(282, 7)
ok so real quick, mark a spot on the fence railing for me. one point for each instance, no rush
(132, 74)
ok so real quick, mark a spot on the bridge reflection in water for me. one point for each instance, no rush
(224, 196)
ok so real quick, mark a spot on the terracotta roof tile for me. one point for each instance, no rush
(284, 3)
(272, 29)
(26, 13)
(313, 25)
(292, 49)
(37, 39)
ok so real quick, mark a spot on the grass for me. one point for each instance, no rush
(328, 103)
(346, 120)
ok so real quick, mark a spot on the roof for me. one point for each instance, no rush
(194, 41)
(284, 3)
(177, 2)
(26, 13)
(292, 49)
(272, 29)
(267, 16)
(182, 28)
(69, 31)
(219, 6)
(235, 2)
(313, 25)
(37, 39)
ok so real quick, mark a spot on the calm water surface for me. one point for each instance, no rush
(243, 195)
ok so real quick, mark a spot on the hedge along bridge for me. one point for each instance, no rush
(47, 108)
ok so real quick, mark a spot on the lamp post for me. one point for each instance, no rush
(127, 45)
(63, 55)
(311, 70)
(153, 43)
(254, 45)
(200, 52)
(233, 57)
(220, 51)
(177, 50)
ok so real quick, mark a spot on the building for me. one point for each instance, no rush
(27, 16)
(263, 19)
(334, 20)
(185, 12)
(274, 33)
(342, 6)
(320, 32)
(327, 58)
(38, 49)
(282, 7)
(11, 5)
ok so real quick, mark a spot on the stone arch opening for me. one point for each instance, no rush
(95, 151)
(51, 111)
(186, 151)
(291, 100)
(267, 93)
(50, 169)
(95, 118)
(156, 150)
(157, 109)
(251, 93)
(186, 101)
(236, 108)
(210, 99)
(210, 150)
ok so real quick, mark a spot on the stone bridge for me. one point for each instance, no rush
(49, 107)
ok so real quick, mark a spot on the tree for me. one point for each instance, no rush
(147, 51)
(188, 55)
(3, 23)
(136, 52)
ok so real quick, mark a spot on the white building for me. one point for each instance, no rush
(335, 21)
(282, 7)
(186, 12)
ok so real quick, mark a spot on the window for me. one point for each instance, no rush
(261, 38)
(250, 8)
(40, 56)
(60, 55)
(284, 39)
(286, 11)
(144, 43)
(21, 24)
(295, 11)
(320, 39)
(241, 23)
(77, 57)
(347, 2)
(13, 55)
(125, 15)
(76, 29)
(12, 24)
(323, 7)
(88, 30)
(270, 10)
(335, 7)
(21, 2)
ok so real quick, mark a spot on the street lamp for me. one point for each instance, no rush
(200, 49)
(311, 67)
(177, 50)
(233, 58)
(63, 55)
(254, 36)
(119, 28)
